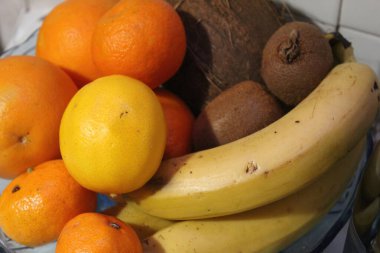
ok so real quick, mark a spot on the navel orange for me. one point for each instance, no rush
(33, 95)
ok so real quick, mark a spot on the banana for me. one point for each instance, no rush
(371, 178)
(266, 229)
(367, 202)
(144, 224)
(364, 217)
(274, 162)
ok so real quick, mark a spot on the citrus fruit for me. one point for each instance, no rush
(113, 134)
(65, 37)
(33, 96)
(36, 205)
(97, 233)
(143, 39)
(179, 121)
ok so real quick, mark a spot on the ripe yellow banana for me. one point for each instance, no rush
(143, 223)
(274, 162)
(266, 229)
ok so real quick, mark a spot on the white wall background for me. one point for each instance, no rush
(358, 21)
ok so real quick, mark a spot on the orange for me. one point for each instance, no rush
(97, 233)
(36, 205)
(65, 37)
(143, 39)
(113, 134)
(33, 95)
(179, 121)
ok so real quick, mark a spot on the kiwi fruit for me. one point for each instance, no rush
(238, 111)
(295, 60)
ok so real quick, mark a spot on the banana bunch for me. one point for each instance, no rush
(274, 162)
(266, 229)
(269, 228)
(262, 192)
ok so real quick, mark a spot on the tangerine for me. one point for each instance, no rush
(179, 121)
(36, 205)
(65, 37)
(98, 233)
(143, 39)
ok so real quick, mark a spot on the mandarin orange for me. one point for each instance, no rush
(179, 122)
(36, 205)
(98, 233)
(143, 39)
(65, 37)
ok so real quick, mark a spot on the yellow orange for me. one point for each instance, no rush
(113, 134)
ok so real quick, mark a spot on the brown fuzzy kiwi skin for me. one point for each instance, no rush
(295, 60)
(235, 113)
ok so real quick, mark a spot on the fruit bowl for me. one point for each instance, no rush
(314, 241)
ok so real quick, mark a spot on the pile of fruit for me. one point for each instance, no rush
(126, 99)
